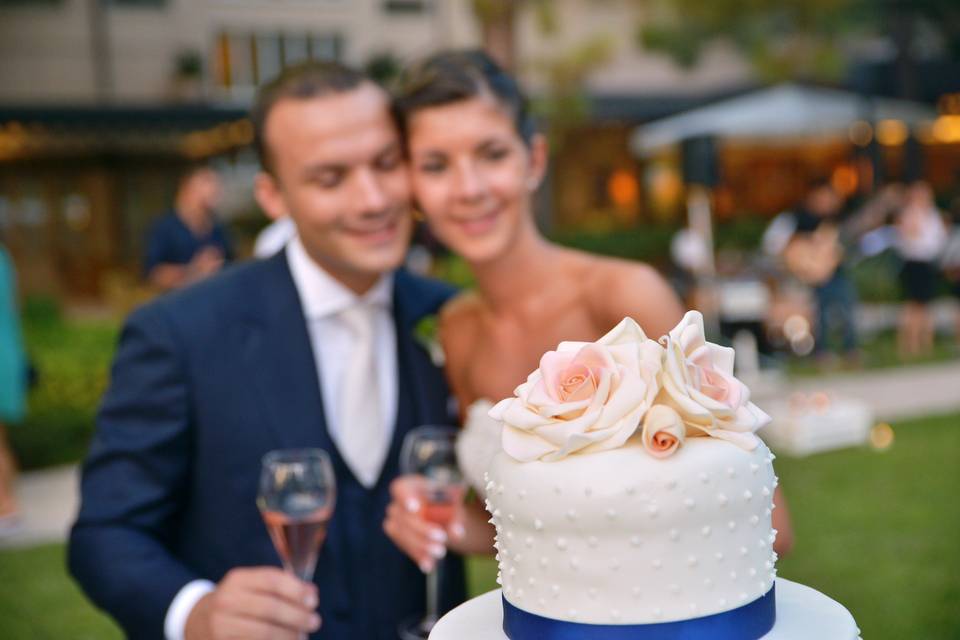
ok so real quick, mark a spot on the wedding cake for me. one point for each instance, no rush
(631, 489)
(632, 500)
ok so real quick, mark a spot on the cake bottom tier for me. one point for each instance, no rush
(802, 613)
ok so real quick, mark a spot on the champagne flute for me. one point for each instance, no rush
(296, 497)
(429, 453)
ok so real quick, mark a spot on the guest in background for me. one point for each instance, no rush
(188, 243)
(12, 387)
(815, 256)
(921, 238)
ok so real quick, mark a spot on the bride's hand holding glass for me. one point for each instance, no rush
(421, 529)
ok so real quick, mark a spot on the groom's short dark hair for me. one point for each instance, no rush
(302, 81)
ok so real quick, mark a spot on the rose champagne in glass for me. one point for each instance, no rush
(429, 453)
(296, 497)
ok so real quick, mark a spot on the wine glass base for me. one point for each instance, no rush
(416, 628)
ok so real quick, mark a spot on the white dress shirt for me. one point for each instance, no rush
(322, 298)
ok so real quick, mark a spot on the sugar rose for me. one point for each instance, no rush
(584, 397)
(663, 431)
(698, 383)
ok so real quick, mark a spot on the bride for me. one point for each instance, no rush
(475, 162)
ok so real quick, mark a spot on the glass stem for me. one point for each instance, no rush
(433, 593)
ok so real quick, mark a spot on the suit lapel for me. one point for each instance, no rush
(277, 350)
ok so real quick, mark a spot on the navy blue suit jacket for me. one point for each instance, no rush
(205, 381)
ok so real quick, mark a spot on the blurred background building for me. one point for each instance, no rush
(103, 102)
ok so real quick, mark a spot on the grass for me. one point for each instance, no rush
(878, 351)
(38, 601)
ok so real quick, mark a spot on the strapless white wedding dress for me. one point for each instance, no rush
(477, 444)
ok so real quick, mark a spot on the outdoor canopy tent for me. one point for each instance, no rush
(786, 110)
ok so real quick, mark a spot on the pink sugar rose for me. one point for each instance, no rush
(663, 431)
(584, 397)
(698, 383)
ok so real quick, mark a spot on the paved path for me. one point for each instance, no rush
(49, 497)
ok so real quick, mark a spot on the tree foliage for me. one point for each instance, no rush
(807, 39)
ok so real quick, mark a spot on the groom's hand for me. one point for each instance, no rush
(424, 541)
(254, 603)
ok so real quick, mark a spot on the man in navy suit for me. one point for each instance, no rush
(268, 355)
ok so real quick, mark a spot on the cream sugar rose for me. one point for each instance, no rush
(632, 488)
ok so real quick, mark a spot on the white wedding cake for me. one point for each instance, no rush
(632, 495)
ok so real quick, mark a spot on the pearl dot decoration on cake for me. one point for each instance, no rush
(688, 537)
(754, 467)
(522, 494)
(748, 495)
(731, 473)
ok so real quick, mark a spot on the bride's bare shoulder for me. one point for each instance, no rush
(617, 288)
(459, 322)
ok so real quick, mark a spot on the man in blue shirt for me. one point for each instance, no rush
(187, 243)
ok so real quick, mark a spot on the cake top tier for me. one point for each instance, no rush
(594, 396)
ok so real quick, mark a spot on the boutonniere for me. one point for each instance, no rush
(425, 333)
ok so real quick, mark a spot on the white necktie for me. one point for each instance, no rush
(362, 442)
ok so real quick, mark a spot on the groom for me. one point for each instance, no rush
(310, 348)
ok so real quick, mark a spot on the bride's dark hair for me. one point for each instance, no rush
(452, 76)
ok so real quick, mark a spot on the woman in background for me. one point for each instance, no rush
(475, 162)
(921, 238)
(12, 387)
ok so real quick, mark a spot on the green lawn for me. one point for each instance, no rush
(875, 530)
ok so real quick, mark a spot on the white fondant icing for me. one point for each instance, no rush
(649, 544)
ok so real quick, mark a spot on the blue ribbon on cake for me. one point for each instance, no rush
(749, 622)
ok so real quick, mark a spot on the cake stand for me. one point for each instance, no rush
(802, 613)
